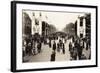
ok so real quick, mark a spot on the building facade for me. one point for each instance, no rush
(81, 27)
(26, 25)
(36, 24)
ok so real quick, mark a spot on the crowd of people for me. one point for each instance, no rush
(57, 47)
(31, 47)
(76, 46)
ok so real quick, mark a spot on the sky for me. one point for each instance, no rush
(58, 19)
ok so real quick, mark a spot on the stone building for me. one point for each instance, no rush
(83, 26)
(26, 25)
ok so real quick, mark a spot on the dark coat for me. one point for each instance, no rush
(50, 43)
(70, 46)
(54, 46)
(53, 57)
(39, 47)
(63, 48)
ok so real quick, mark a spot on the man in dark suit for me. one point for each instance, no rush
(54, 46)
(50, 43)
(39, 46)
(53, 56)
(63, 48)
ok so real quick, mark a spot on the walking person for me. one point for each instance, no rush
(34, 50)
(49, 43)
(70, 46)
(74, 53)
(58, 47)
(70, 49)
(53, 56)
(61, 45)
(39, 46)
(63, 48)
(29, 48)
(54, 46)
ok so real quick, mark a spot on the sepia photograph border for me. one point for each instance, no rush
(14, 35)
